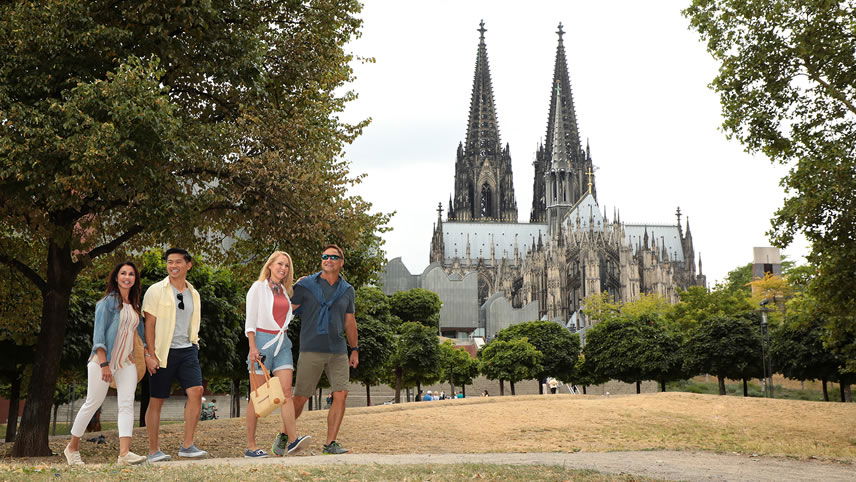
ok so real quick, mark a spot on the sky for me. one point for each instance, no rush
(639, 79)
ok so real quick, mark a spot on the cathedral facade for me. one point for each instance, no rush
(569, 248)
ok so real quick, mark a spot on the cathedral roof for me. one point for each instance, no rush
(481, 235)
(588, 211)
(660, 234)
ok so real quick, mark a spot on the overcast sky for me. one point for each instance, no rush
(639, 79)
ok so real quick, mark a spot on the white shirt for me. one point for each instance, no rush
(260, 309)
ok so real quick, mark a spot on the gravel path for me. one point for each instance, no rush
(657, 464)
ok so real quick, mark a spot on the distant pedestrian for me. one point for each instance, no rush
(485, 394)
(553, 384)
(418, 397)
(428, 397)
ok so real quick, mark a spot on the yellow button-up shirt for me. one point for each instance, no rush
(160, 303)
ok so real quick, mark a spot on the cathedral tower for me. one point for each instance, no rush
(484, 188)
(578, 162)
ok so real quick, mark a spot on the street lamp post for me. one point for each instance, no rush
(765, 351)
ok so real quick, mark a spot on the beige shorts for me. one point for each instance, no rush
(309, 368)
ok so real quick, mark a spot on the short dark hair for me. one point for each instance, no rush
(336, 247)
(180, 251)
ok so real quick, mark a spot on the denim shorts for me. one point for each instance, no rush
(283, 360)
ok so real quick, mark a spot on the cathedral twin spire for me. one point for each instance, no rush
(484, 185)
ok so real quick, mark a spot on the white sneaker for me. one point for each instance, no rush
(131, 458)
(73, 458)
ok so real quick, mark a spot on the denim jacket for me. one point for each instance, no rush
(107, 312)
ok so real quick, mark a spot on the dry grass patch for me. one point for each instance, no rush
(327, 473)
(553, 423)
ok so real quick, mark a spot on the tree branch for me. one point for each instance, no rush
(26, 271)
(833, 92)
(109, 247)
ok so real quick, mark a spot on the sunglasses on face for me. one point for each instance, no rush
(334, 257)
(180, 301)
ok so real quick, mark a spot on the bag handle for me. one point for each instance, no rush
(254, 386)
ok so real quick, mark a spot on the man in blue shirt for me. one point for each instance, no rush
(325, 303)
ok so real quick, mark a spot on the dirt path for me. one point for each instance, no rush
(668, 465)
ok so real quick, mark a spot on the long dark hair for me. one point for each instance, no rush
(136, 292)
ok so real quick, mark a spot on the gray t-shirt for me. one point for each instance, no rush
(181, 335)
(334, 340)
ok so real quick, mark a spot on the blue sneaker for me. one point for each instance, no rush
(294, 446)
(255, 454)
(280, 443)
(158, 457)
(191, 452)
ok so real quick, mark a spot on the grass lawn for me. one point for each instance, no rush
(544, 423)
(328, 473)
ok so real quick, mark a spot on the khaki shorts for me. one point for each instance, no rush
(309, 368)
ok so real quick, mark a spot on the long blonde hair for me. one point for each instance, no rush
(288, 281)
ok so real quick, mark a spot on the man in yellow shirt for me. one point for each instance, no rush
(172, 310)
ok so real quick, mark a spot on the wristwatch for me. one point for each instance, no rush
(105, 364)
(355, 348)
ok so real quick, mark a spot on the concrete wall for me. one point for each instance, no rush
(499, 314)
(459, 296)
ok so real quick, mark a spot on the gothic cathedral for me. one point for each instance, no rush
(569, 249)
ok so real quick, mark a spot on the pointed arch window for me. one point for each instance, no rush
(486, 201)
(471, 196)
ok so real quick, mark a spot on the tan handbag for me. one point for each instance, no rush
(139, 360)
(268, 396)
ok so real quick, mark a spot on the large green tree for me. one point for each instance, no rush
(560, 348)
(798, 353)
(512, 360)
(457, 366)
(726, 347)
(129, 124)
(415, 357)
(417, 304)
(376, 347)
(787, 84)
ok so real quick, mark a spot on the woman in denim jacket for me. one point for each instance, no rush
(117, 322)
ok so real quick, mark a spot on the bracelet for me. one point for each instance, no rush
(147, 355)
(105, 364)
(355, 348)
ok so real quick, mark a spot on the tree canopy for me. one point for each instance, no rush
(417, 304)
(786, 84)
(203, 125)
(727, 347)
(560, 348)
(512, 360)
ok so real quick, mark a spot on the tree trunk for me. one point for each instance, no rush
(823, 382)
(512, 387)
(745, 387)
(35, 424)
(662, 385)
(846, 393)
(501, 387)
(368, 395)
(541, 386)
(56, 409)
(235, 398)
(407, 394)
(464, 390)
(320, 397)
(144, 398)
(638, 387)
(14, 398)
(399, 376)
(584, 389)
(721, 381)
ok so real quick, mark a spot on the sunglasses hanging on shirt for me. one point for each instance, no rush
(180, 301)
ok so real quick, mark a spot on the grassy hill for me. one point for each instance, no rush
(552, 423)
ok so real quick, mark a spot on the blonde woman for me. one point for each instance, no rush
(269, 311)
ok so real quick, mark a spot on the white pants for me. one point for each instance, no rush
(96, 391)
